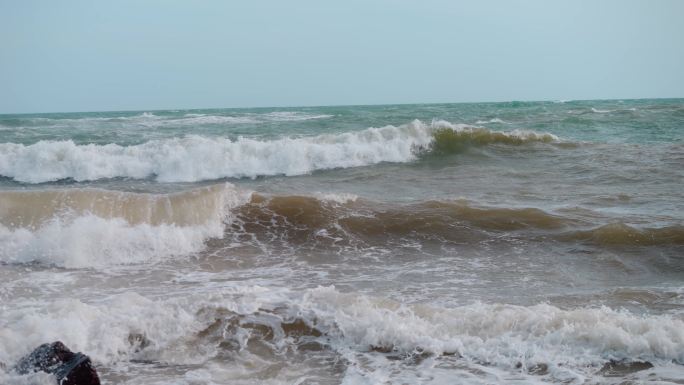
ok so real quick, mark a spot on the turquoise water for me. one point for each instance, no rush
(484, 243)
(630, 121)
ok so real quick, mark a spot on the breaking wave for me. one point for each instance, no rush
(151, 120)
(96, 228)
(93, 228)
(303, 219)
(196, 158)
(326, 220)
(252, 322)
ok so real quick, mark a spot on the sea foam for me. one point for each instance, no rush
(91, 228)
(196, 158)
(572, 343)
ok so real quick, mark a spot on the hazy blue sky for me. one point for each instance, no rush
(140, 55)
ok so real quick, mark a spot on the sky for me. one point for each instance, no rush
(91, 55)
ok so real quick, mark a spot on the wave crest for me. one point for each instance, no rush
(308, 220)
(196, 158)
(620, 234)
(95, 228)
(453, 140)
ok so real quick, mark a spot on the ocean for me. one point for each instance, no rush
(483, 243)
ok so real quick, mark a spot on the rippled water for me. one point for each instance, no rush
(517, 242)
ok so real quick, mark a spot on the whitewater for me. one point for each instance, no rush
(490, 243)
(196, 158)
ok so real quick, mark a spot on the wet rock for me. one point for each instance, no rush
(381, 348)
(68, 367)
(614, 368)
(414, 357)
(298, 328)
(539, 369)
(138, 341)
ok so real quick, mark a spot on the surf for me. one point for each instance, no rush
(91, 228)
(195, 158)
(363, 333)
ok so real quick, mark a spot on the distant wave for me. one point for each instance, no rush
(196, 158)
(493, 120)
(293, 116)
(149, 119)
(194, 119)
(597, 111)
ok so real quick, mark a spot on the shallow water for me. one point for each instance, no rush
(526, 242)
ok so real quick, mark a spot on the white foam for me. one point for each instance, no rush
(99, 329)
(81, 239)
(91, 241)
(503, 334)
(192, 119)
(493, 120)
(340, 198)
(149, 119)
(205, 119)
(287, 116)
(38, 378)
(195, 158)
(574, 344)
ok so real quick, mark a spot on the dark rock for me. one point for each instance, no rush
(68, 367)
(539, 369)
(381, 348)
(614, 368)
(298, 328)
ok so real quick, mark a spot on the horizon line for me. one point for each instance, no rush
(341, 105)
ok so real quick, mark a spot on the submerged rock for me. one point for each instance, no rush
(540, 369)
(68, 367)
(138, 341)
(614, 368)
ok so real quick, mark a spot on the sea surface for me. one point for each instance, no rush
(488, 243)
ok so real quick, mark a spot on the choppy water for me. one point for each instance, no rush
(421, 244)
